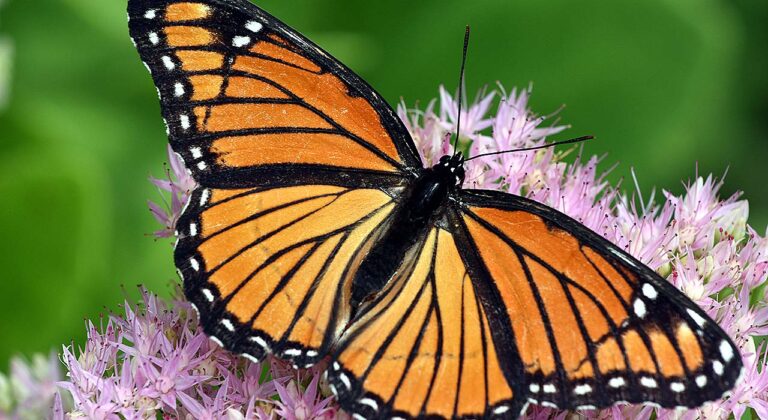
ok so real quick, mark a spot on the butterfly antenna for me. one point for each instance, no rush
(461, 86)
(526, 149)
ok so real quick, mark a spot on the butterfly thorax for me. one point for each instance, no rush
(419, 208)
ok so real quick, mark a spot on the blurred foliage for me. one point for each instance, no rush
(665, 85)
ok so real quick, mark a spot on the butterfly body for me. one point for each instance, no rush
(316, 233)
(421, 206)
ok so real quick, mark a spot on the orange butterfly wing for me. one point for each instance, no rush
(507, 301)
(591, 325)
(428, 345)
(292, 152)
(250, 102)
(269, 269)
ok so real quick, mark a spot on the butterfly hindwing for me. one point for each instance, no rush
(248, 101)
(425, 346)
(592, 325)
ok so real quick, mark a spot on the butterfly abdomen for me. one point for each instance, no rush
(410, 224)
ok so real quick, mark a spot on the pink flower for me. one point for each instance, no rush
(30, 391)
(179, 184)
(473, 118)
(155, 360)
(306, 404)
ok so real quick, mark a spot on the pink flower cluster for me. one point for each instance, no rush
(155, 361)
(29, 391)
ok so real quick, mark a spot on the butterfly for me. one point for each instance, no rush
(317, 233)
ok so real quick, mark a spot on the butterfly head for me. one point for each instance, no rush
(452, 167)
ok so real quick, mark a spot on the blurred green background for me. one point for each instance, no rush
(664, 85)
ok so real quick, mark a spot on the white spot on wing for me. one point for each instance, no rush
(208, 295)
(701, 381)
(726, 351)
(649, 291)
(241, 41)
(717, 367)
(168, 63)
(639, 306)
(260, 342)
(357, 416)
(201, 166)
(292, 352)
(501, 409)
(677, 387)
(228, 325)
(343, 378)
(184, 119)
(370, 403)
(151, 14)
(197, 153)
(178, 90)
(153, 38)
(550, 389)
(696, 318)
(217, 341)
(582, 389)
(192, 229)
(534, 388)
(548, 404)
(194, 264)
(616, 382)
(254, 26)
(311, 353)
(204, 197)
(648, 382)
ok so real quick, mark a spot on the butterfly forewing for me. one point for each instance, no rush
(249, 102)
(592, 326)
(269, 269)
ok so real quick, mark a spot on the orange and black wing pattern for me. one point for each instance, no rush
(505, 302)
(430, 345)
(269, 269)
(591, 325)
(249, 102)
(299, 163)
